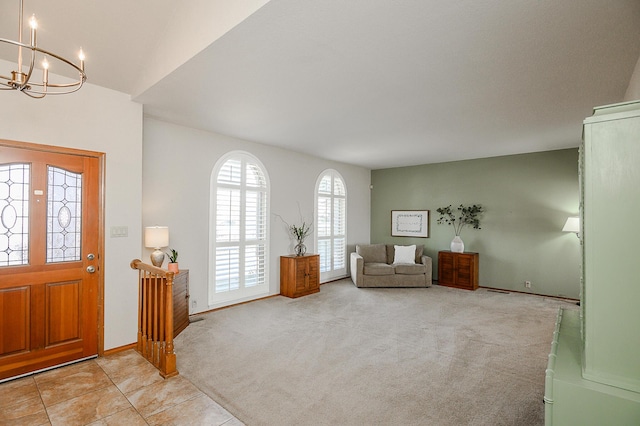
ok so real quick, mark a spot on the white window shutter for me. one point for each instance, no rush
(331, 225)
(240, 223)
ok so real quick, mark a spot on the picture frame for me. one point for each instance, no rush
(410, 223)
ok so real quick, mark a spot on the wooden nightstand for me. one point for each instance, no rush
(458, 270)
(299, 275)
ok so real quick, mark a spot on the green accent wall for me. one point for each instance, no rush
(527, 199)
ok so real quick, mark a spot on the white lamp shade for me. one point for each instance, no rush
(156, 236)
(572, 225)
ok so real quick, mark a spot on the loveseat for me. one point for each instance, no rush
(388, 265)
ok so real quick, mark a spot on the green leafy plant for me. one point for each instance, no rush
(173, 256)
(301, 232)
(469, 215)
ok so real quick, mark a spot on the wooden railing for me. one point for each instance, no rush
(155, 317)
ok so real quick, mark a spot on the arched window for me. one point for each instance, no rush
(331, 225)
(239, 223)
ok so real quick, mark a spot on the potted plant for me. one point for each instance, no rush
(466, 215)
(300, 233)
(173, 261)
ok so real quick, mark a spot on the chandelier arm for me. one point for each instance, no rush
(25, 84)
(17, 43)
(57, 93)
(76, 86)
(29, 93)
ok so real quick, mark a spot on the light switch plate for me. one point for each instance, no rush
(119, 231)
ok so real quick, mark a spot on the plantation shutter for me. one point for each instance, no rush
(331, 228)
(239, 262)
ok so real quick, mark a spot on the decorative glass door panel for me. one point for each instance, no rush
(64, 215)
(14, 214)
(50, 215)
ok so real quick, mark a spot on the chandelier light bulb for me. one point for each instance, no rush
(81, 57)
(45, 72)
(33, 23)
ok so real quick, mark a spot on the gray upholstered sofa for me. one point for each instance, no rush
(372, 265)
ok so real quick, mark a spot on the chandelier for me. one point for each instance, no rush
(23, 78)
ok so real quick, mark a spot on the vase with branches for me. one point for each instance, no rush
(300, 233)
(465, 215)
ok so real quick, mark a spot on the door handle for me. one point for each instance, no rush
(91, 269)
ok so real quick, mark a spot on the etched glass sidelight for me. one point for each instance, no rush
(64, 215)
(14, 214)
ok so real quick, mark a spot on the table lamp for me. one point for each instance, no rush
(156, 237)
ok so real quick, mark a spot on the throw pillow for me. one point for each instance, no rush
(372, 253)
(405, 254)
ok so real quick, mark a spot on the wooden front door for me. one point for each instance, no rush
(50, 266)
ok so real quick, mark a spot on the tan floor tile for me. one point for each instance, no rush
(16, 391)
(129, 371)
(163, 395)
(75, 380)
(129, 417)
(89, 407)
(233, 422)
(131, 382)
(67, 370)
(25, 412)
(201, 408)
(131, 379)
(121, 361)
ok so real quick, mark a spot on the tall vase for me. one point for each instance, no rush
(300, 249)
(457, 246)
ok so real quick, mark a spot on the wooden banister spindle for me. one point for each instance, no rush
(155, 317)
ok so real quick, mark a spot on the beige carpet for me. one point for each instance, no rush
(349, 356)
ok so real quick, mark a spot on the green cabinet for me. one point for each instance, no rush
(593, 375)
(611, 205)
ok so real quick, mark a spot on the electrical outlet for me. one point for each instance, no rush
(194, 303)
(527, 284)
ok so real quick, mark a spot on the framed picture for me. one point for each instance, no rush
(410, 223)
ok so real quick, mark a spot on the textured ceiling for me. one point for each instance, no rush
(377, 83)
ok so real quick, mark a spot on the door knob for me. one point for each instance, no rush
(91, 269)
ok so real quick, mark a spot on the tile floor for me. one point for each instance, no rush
(120, 389)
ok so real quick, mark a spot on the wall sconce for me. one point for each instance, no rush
(572, 225)
(156, 237)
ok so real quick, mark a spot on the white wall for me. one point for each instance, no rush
(103, 120)
(177, 167)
